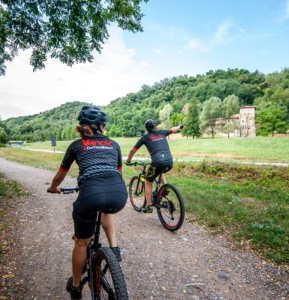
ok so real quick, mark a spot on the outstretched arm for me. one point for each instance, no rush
(175, 129)
(131, 154)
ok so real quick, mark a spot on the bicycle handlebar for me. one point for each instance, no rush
(136, 163)
(68, 190)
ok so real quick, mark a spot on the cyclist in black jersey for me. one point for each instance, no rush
(162, 160)
(101, 188)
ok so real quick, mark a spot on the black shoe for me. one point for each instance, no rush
(116, 252)
(148, 209)
(75, 292)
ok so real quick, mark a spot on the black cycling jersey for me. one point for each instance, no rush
(157, 145)
(95, 157)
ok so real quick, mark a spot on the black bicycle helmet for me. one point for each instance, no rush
(150, 123)
(91, 115)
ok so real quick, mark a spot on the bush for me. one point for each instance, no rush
(4, 138)
(2, 145)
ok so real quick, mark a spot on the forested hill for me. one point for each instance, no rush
(127, 114)
(60, 121)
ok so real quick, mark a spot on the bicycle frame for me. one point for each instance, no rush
(91, 250)
(158, 182)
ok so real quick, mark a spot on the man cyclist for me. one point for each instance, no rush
(101, 188)
(162, 160)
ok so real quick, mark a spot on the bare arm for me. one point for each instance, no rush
(175, 129)
(58, 178)
(121, 172)
(131, 154)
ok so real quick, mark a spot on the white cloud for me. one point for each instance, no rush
(223, 32)
(145, 64)
(158, 51)
(112, 74)
(197, 44)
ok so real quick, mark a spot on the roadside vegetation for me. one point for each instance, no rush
(10, 196)
(266, 149)
(250, 204)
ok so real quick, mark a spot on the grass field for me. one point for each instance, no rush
(267, 149)
(249, 203)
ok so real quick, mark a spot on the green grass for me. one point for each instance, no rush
(250, 203)
(268, 149)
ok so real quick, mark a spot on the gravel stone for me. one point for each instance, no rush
(46, 243)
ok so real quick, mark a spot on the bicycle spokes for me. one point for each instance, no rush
(170, 208)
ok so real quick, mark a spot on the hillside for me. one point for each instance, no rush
(127, 114)
(59, 121)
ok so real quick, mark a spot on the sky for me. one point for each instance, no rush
(180, 37)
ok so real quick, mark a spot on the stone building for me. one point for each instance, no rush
(248, 125)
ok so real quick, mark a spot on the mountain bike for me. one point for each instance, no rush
(103, 272)
(166, 198)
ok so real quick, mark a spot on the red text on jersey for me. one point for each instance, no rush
(95, 143)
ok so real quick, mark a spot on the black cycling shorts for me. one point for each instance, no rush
(155, 169)
(106, 193)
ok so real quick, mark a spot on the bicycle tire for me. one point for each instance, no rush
(136, 188)
(118, 290)
(174, 197)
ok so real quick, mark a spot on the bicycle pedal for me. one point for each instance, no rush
(84, 281)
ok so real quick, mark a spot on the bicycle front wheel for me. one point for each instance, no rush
(137, 193)
(108, 279)
(170, 207)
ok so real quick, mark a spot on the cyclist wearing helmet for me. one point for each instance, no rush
(101, 188)
(162, 160)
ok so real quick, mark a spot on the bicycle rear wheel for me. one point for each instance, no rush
(108, 281)
(137, 193)
(170, 207)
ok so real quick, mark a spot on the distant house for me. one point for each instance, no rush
(247, 120)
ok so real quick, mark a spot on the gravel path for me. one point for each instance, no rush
(157, 264)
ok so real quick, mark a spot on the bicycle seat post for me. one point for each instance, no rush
(97, 233)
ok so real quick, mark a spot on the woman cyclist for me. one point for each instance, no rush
(101, 188)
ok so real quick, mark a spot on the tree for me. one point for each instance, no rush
(271, 119)
(165, 117)
(69, 30)
(59, 133)
(192, 122)
(4, 138)
(114, 131)
(230, 107)
(212, 110)
(64, 133)
(230, 126)
(177, 118)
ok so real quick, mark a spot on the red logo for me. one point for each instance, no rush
(95, 143)
(155, 137)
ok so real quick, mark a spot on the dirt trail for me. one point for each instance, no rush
(157, 264)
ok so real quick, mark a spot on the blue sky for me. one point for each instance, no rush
(190, 37)
(180, 37)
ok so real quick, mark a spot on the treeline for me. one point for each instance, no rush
(126, 115)
(266, 92)
(60, 121)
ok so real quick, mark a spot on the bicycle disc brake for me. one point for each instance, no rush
(171, 208)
